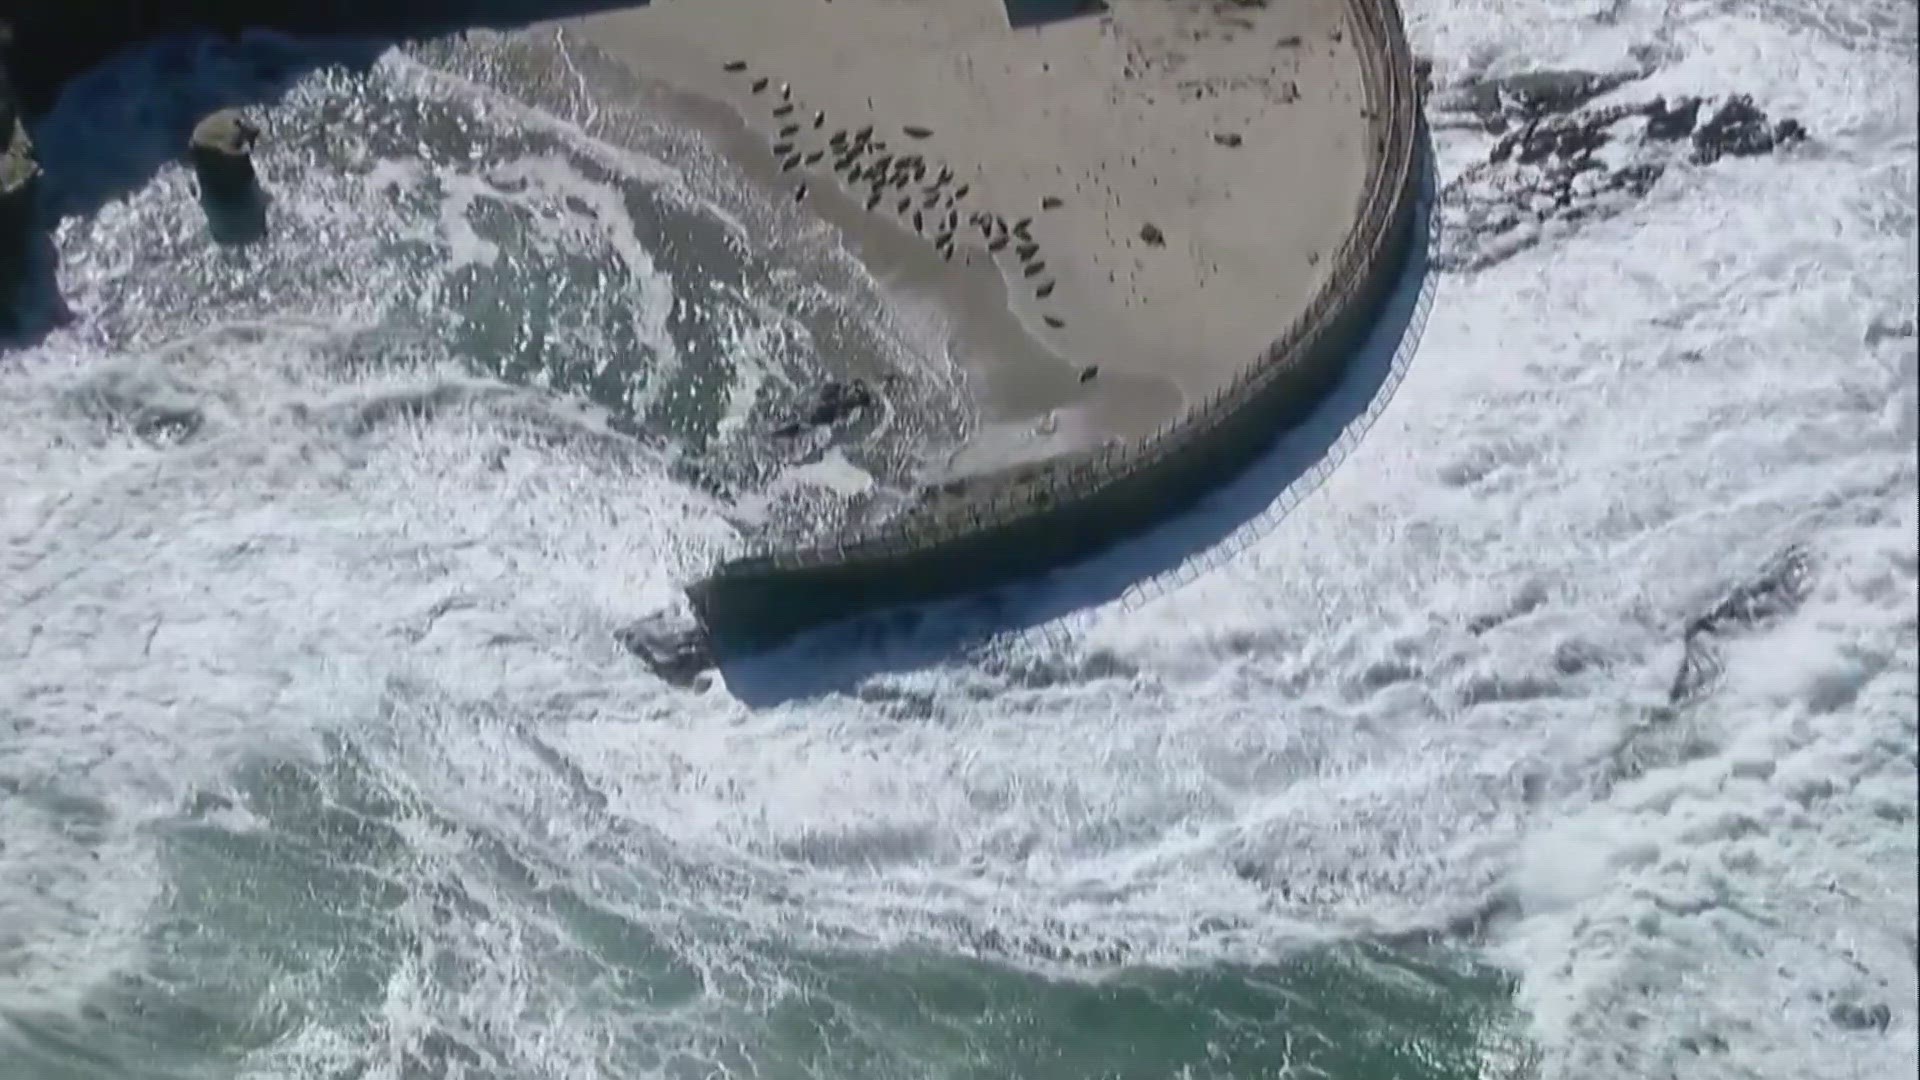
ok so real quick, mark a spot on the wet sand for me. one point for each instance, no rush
(1236, 132)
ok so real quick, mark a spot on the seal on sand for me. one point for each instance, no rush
(759, 84)
(734, 65)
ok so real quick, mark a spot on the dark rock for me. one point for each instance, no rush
(1881, 330)
(1664, 124)
(1638, 179)
(19, 183)
(1737, 128)
(1227, 138)
(837, 401)
(1152, 235)
(221, 150)
(1544, 168)
(674, 646)
(1778, 589)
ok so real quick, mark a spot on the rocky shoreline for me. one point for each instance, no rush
(1556, 161)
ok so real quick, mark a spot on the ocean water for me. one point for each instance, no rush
(318, 758)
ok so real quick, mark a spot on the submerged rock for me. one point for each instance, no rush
(835, 402)
(1780, 586)
(1665, 124)
(672, 643)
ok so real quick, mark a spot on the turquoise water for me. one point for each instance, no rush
(314, 914)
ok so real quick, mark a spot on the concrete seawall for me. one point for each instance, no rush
(1072, 509)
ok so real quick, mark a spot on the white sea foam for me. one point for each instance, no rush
(1595, 440)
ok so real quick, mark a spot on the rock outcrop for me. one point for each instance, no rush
(221, 149)
(1556, 161)
(19, 180)
(671, 644)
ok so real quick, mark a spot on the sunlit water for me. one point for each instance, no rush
(318, 757)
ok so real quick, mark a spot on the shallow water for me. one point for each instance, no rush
(318, 758)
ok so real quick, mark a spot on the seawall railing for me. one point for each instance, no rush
(1045, 518)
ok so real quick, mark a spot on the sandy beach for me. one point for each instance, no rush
(1153, 192)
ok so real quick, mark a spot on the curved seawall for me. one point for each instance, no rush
(1017, 524)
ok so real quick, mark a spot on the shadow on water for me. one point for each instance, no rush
(838, 658)
(79, 121)
(34, 308)
(1022, 14)
(240, 221)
